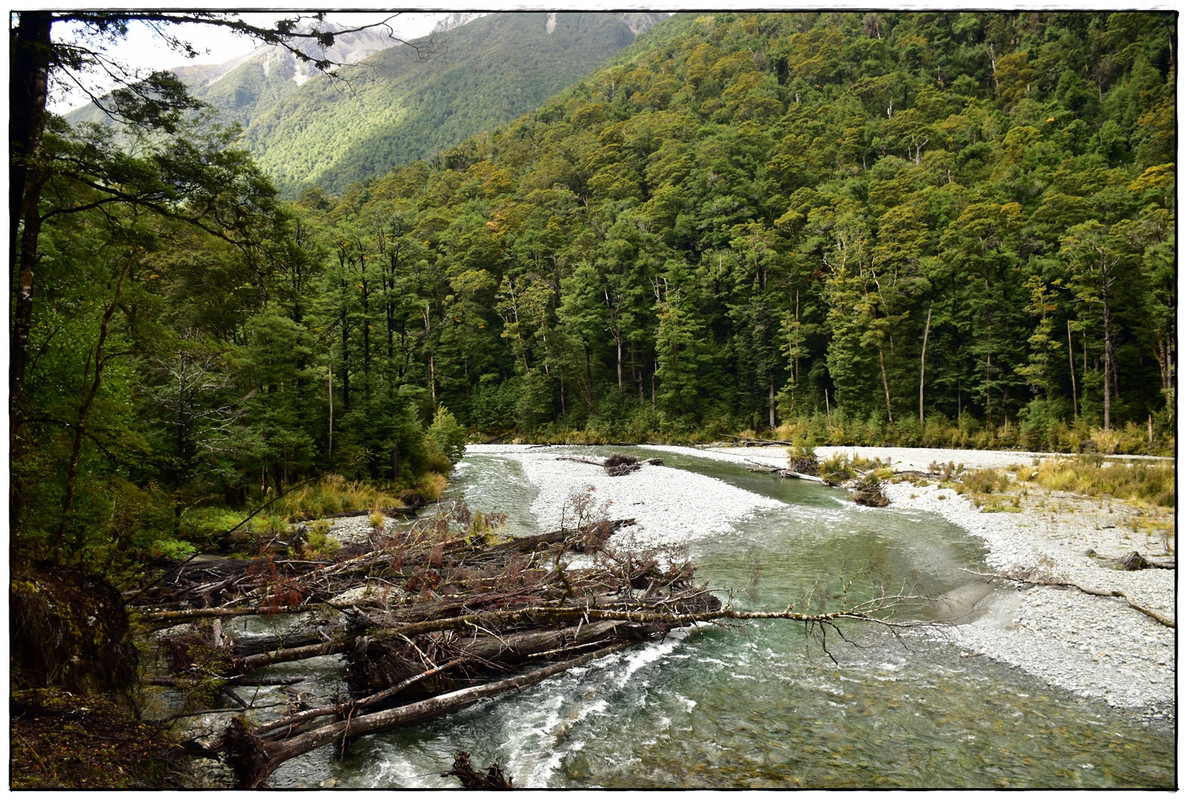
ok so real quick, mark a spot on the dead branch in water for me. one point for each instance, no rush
(471, 778)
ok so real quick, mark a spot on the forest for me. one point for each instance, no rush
(916, 228)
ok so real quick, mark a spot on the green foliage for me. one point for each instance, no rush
(448, 436)
(172, 549)
(318, 542)
(743, 221)
(727, 273)
(399, 109)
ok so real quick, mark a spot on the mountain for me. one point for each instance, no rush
(392, 108)
(388, 106)
(241, 88)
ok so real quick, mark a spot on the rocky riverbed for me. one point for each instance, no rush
(1095, 646)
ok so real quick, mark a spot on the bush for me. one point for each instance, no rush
(803, 459)
(985, 481)
(837, 470)
(447, 435)
(172, 549)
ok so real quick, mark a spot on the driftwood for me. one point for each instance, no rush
(617, 464)
(255, 754)
(451, 615)
(783, 473)
(760, 443)
(471, 778)
(1135, 561)
(1031, 580)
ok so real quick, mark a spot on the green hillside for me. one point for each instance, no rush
(885, 218)
(393, 109)
(936, 229)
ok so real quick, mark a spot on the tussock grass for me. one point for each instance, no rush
(333, 494)
(990, 490)
(1139, 483)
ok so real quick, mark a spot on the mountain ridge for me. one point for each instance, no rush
(388, 106)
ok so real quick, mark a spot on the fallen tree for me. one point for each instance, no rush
(432, 618)
(616, 464)
(1029, 579)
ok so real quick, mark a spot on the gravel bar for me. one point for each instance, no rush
(1097, 647)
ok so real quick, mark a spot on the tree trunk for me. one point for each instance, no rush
(254, 759)
(1071, 365)
(923, 366)
(28, 87)
(885, 384)
(771, 403)
(1109, 363)
(84, 410)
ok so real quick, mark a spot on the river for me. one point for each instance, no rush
(760, 705)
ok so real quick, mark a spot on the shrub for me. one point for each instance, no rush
(318, 540)
(985, 481)
(803, 459)
(172, 549)
(447, 435)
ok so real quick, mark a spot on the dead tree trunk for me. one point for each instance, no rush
(255, 759)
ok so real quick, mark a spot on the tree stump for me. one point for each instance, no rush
(471, 778)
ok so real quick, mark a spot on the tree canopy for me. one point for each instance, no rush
(927, 228)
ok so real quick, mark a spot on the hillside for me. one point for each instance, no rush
(883, 218)
(244, 87)
(387, 106)
(945, 230)
(392, 109)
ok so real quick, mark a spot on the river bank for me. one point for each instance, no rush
(1097, 647)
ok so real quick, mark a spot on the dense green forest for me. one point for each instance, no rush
(884, 218)
(920, 228)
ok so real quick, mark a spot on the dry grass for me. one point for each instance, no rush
(1138, 483)
(333, 494)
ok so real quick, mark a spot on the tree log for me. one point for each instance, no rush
(255, 759)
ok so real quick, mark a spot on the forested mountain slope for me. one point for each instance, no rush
(244, 87)
(887, 227)
(888, 216)
(392, 109)
(389, 104)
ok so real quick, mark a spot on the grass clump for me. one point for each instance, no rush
(333, 494)
(318, 541)
(1140, 483)
(990, 490)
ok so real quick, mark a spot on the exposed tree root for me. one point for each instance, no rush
(471, 778)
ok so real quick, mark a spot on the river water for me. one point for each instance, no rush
(761, 705)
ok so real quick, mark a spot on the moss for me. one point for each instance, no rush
(70, 632)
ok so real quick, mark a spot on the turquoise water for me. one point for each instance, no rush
(762, 704)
